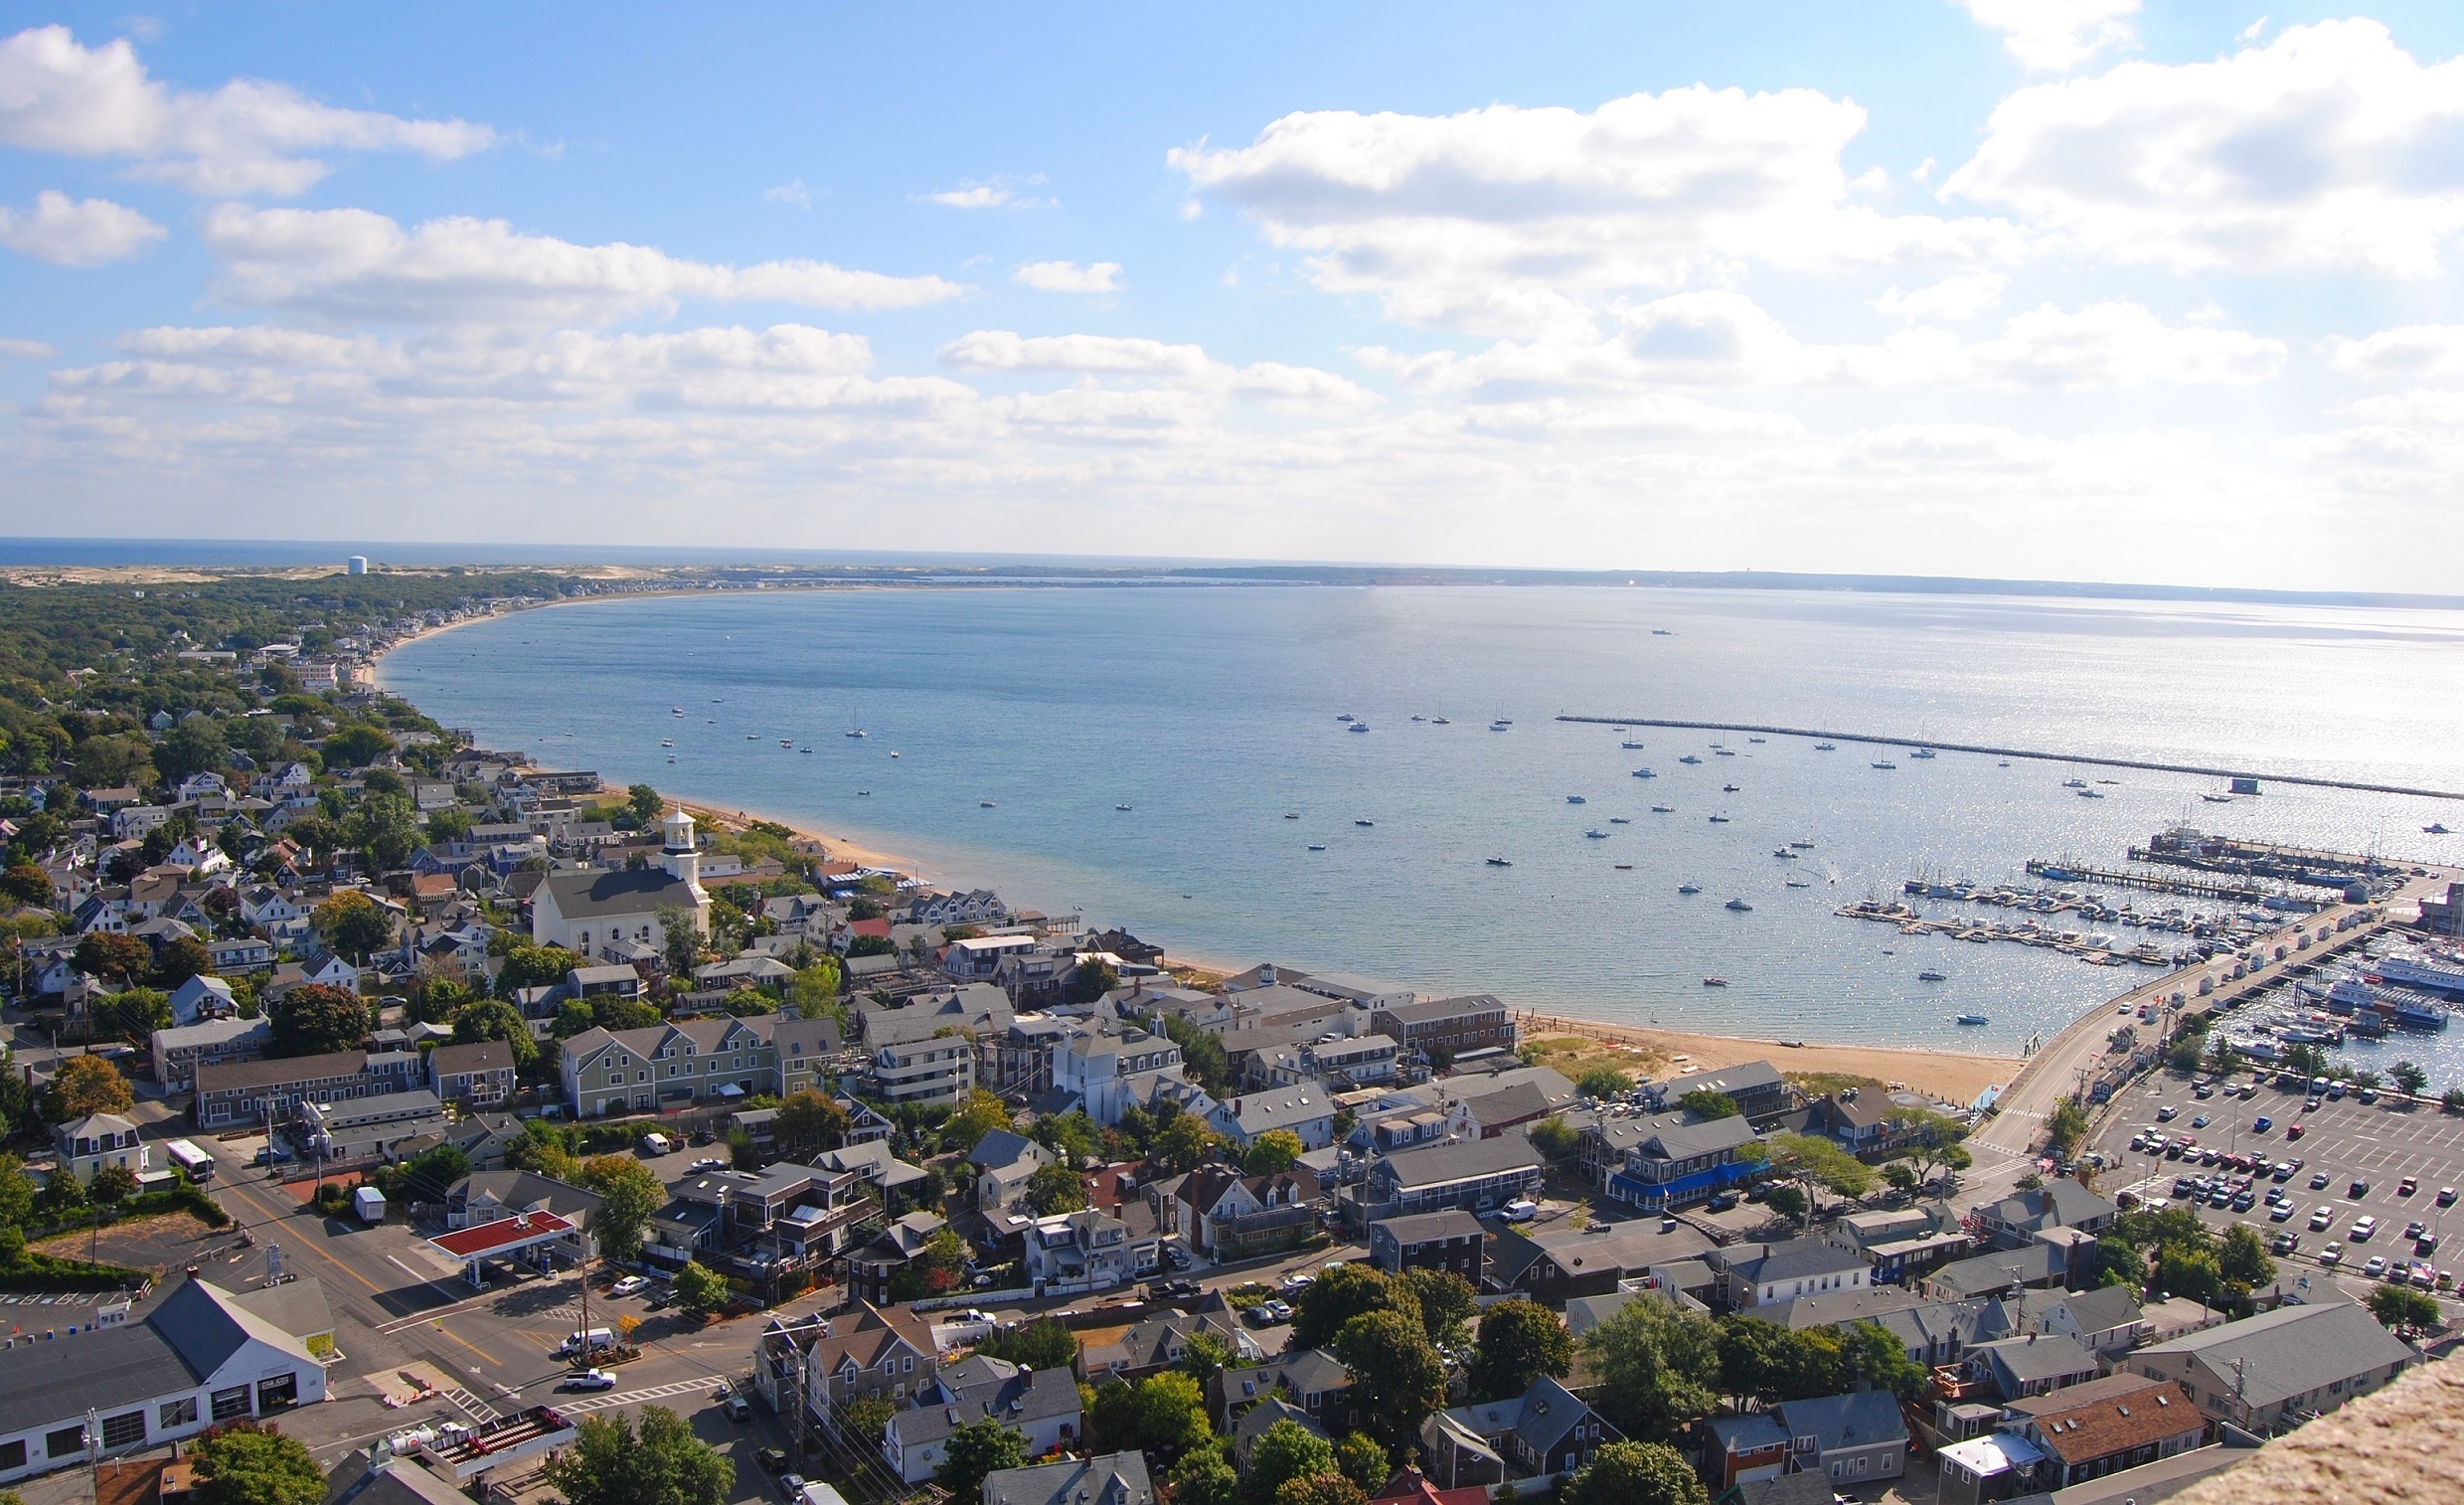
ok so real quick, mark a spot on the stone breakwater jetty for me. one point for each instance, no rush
(2034, 753)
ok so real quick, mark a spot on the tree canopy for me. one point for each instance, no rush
(1634, 1473)
(654, 1459)
(1519, 1342)
(316, 1018)
(975, 1450)
(243, 1462)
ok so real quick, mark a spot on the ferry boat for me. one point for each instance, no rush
(1930, 975)
(1738, 905)
(1974, 1019)
(1645, 773)
(2436, 970)
(1688, 888)
(1500, 862)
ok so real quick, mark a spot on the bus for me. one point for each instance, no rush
(188, 1157)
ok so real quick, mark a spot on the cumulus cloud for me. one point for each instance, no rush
(1513, 220)
(2413, 351)
(2052, 36)
(1069, 276)
(26, 350)
(247, 137)
(1095, 355)
(1953, 300)
(990, 193)
(2330, 147)
(352, 264)
(75, 233)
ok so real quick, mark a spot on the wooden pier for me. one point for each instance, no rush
(2188, 888)
(2034, 755)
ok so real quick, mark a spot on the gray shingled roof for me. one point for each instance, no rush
(634, 891)
(2292, 1350)
(1113, 1478)
(1861, 1419)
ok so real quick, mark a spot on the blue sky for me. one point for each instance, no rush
(2013, 287)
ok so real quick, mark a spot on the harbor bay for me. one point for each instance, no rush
(1258, 824)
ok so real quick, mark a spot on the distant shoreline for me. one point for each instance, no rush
(1954, 1076)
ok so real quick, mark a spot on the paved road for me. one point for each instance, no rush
(2055, 1070)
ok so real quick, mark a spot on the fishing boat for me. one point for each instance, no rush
(806, 751)
(1500, 862)
(1688, 888)
(1738, 905)
(1930, 975)
(1645, 773)
(1885, 765)
(857, 732)
(1662, 810)
(1974, 1019)
(1715, 982)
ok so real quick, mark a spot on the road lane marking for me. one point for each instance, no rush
(466, 1343)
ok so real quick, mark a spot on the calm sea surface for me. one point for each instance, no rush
(1212, 714)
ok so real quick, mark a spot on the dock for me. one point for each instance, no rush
(2154, 882)
(2034, 754)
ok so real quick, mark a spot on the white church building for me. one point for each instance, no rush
(606, 915)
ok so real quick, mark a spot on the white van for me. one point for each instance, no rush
(657, 1144)
(580, 1342)
(1522, 1210)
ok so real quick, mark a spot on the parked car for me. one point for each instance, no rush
(2292, 1132)
(739, 1409)
(2331, 1257)
(630, 1285)
(2446, 1196)
(2320, 1220)
(2407, 1186)
(2359, 1188)
(2261, 1124)
(2167, 1113)
(2318, 1181)
(2377, 1267)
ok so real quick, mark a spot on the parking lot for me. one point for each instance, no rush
(2344, 1142)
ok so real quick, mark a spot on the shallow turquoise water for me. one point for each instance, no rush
(1211, 712)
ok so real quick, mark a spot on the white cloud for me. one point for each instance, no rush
(2378, 446)
(990, 193)
(75, 233)
(2052, 36)
(2119, 344)
(792, 191)
(1513, 219)
(351, 263)
(1953, 300)
(26, 350)
(1003, 350)
(247, 137)
(1069, 276)
(2330, 147)
(2413, 351)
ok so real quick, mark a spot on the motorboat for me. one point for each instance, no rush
(861, 793)
(1597, 834)
(1930, 975)
(2075, 783)
(1922, 752)
(1728, 789)
(1802, 845)
(1797, 883)
(986, 804)
(1363, 822)
(1621, 820)
(1688, 888)
(1715, 982)
(1662, 632)
(1826, 746)
(1786, 853)
(1291, 815)
(2089, 793)
(1662, 810)
(1645, 773)
(1625, 867)
(2222, 799)
(1575, 799)
(1439, 720)
(1500, 862)
(1719, 820)
(1738, 905)
(667, 742)
(1346, 716)
(1689, 759)
(1357, 726)
(1120, 807)
(1974, 1019)
(1499, 725)
(1315, 847)
(1756, 739)
(1419, 718)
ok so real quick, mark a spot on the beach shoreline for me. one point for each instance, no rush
(1955, 1077)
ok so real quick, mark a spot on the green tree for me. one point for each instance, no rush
(2402, 1306)
(1045, 1343)
(62, 1197)
(628, 1194)
(1788, 1201)
(245, 1463)
(864, 1419)
(1703, 1103)
(16, 1193)
(1519, 1342)
(493, 1019)
(2110, 1261)
(1816, 1160)
(809, 1124)
(1206, 1353)
(1090, 980)
(1603, 1081)
(654, 1459)
(2242, 1259)
(1396, 1376)
(86, 1085)
(132, 1015)
(2190, 1270)
(111, 1185)
(448, 827)
(192, 746)
(1054, 1188)
(1205, 1478)
(431, 1174)
(1072, 1136)
(1871, 1357)
(2065, 1129)
(2452, 1100)
(1272, 1153)
(572, 1017)
(386, 827)
(113, 958)
(2409, 1077)
(974, 1450)
(1446, 1301)
(1362, 1461)
(1171, 1415)
(1634, 1473)
(355, 746)
(937, 1270)
(1902, 1177)
(1321, 1489)
(317, 1019)
(1201, 1055)
(700, 1289)
(28, 884)
(1184, 1146)
(646, 804)
(530, 966)
(680, 940)
(980, 1115)
(1337, 1296)
(352, 924)
(182, 957)
(814, 990)
(1286, 1451)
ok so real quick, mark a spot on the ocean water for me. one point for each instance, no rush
(1211, 712)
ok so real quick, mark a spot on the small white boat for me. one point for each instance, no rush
(1347, 716)
(1689, 759)
(1291, 815)
(1363, 822)
(1662, 810)
(1885, 765)
(1715, 982)
(1439, 720)
(667, 742)
(1500, 862)
(1597, 834)
(1645, 773)
(1314, 847)
(1797, 883)
(1630, 745)
(1922, 752)
(1120, 807)
(1620, 820)
(986, 804)
(1357, 726)
(1688, 888)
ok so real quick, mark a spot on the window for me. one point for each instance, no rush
(277, 1392)
(123, 1430)
(231, 1402)
(12, 1456)
(66, 1442)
